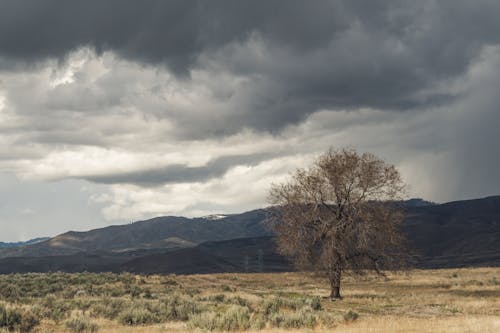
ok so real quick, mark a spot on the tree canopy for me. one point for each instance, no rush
(341, 213)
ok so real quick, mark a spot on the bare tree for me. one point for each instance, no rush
(341, 214)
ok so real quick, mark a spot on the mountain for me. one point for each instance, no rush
(459, 233)
(455, 234)
(18, 244)
(256, 254)
(160, 232)
(236, 255)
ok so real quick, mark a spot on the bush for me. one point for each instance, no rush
(28, 321)
(219, 298)
(81, 325)
(178, 308)
(257, 321)
(137, 316)
(9, 318)
(236, 318)
(303, 318)
(314, 303)
(9, 291)
(350, 316)
(17, 319)
(54, 309)
(108, 308)
(327, 319)
(237, 300)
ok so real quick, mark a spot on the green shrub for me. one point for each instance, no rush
(29, 321)
(134, 291)
(299, 319)
(10, 318)
(137, 316)
(53, 308)
(327, 319)
(273, 305)
(170, 282)
(350, 316)
(219, 298)
(108, 308)
(314, 303)
(178, 308)
(236, 318)
(207, 320)
(226, 288)
(257, 321)
(17, 319)
(81, 325)
(9, 291)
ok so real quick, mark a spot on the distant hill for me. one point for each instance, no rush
(461, 233)
(160, 232)
(18, 244)
(455, 234)
(256, 254)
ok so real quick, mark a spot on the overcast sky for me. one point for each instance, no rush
(114, 111)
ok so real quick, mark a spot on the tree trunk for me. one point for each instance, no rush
(335, 275)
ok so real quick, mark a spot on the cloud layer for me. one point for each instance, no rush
(195, 107)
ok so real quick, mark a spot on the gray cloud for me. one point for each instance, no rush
(179, 173)
(313, 55)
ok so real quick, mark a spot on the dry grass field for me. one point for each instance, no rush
(447, 300)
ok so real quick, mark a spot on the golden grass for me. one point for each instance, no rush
(445, 300)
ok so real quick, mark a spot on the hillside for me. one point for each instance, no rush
(461, 233)
(455, 234)
(19, 244)
(160, 232)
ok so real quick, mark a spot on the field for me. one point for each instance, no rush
(448, 300)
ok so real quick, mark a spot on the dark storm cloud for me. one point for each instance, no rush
(316, 54)
(180, 173)
(153, 30)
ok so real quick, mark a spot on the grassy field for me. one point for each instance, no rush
(448, 300)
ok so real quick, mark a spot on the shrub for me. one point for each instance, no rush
(273, 305)
(236, 318)
(219, 298)
(29, 321)
(299, 319)
(314, 303)
(327, 319)
(17, 319)
(192, 291)
(9, 318)
(137, 316)
(178, 308)
(350, 316)
(81, 325)
(227, 288)
(134, 291)
(148, 294)
(237, 300)
(9, 291)
(108, 308)
(170, 282)
(53, 309)
(207, 320)
(257, 321)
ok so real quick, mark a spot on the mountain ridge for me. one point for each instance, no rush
(23, 243)
(454, 234)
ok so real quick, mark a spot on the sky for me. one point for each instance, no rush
(116, 111)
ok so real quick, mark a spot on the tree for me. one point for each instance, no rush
(341, 214)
